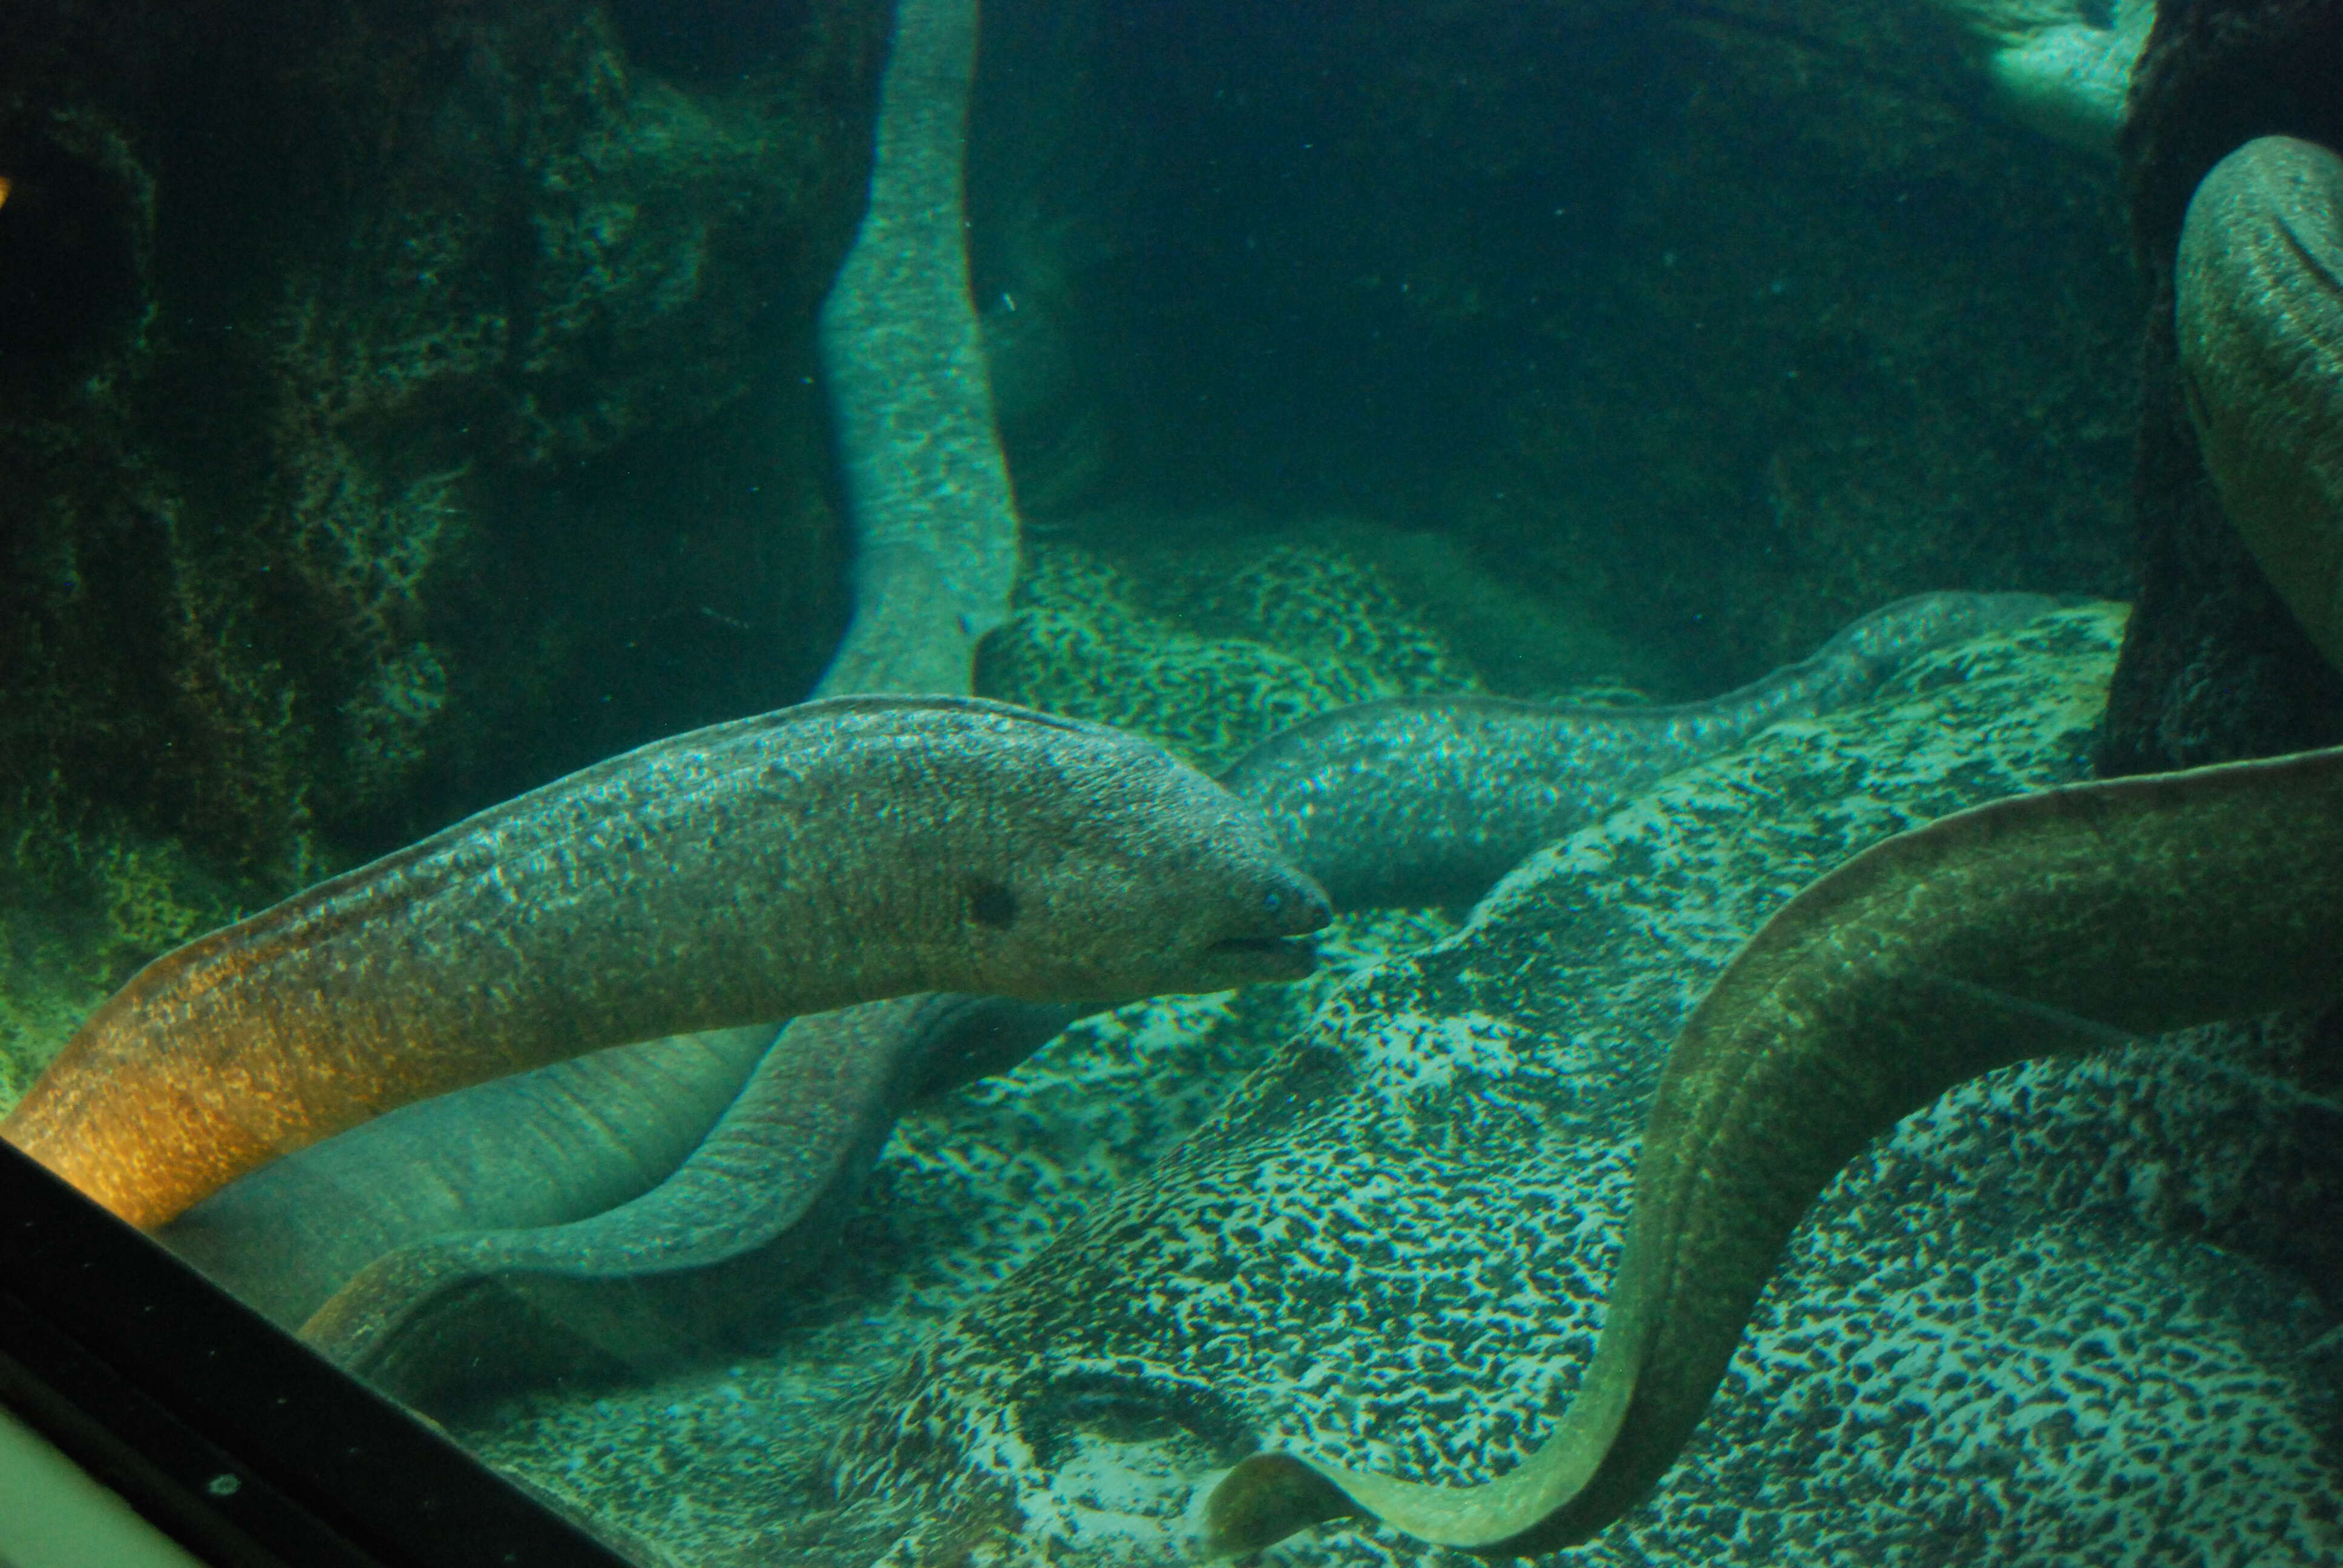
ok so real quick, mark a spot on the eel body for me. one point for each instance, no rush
(539, 1150)
(534, 1175)
(838, 851)
(458, 1181)
(1430, 799)
(934, 522)
(2259, 322)
(2133, 906)
(705, 1259)
(2116, 910)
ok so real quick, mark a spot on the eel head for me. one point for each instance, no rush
(1123, 873)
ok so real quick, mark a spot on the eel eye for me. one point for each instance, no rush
(990, 903)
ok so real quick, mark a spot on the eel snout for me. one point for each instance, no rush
(1281, 944)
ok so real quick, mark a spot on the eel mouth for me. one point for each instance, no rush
(1284, 945)
(1267, 958)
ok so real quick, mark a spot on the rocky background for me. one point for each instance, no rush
(1685, 329)
(402, 402)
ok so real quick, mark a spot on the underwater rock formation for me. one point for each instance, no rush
(2088, 916)
(2065, 75)
(327, 450)
(1382, 1247)
(1765, 322)
(1213, 652)
(470, 440)
(2061, 67)
(2141, 905)
(2092, 915)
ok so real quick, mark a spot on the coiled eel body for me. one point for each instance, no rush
(836, 852)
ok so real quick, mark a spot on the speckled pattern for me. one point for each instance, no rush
(1402, 1225)
(1428, 801)
(2061, 919)
(935, 526)
(1392, 1243)
(725, 1465)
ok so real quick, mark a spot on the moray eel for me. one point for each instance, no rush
(533, 1151)
(2139, 905)
(1430, 799)
(927, 488)
(652, 1282)
(528, 1229)
(626, 1211)
(840, 851)
(2126, 908)
(497, 1193)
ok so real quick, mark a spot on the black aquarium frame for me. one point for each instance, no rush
(228, 1434)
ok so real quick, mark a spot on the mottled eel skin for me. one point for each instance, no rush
(1430, 799)
(2144, 905)
(510, 1234)
(840, 851)
(903, 358)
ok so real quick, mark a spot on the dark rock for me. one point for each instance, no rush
(1709, 325)
(403, 402)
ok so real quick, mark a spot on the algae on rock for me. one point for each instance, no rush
(432, 415)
